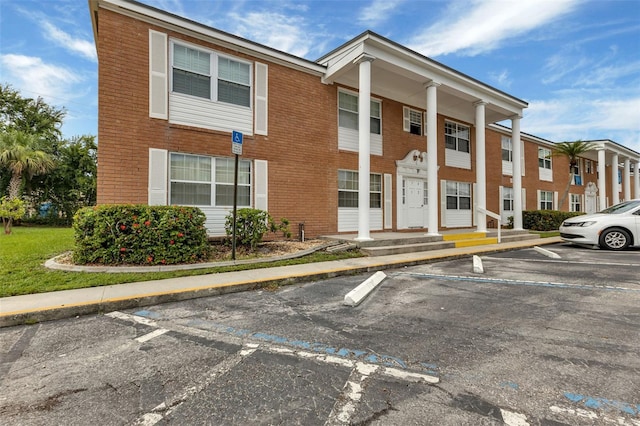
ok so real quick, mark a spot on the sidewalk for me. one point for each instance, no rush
(69, 303)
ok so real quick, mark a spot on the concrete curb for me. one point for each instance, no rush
(30, 309)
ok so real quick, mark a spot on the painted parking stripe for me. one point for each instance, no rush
(131, 318)
(564, 262)
(518, 282)
(348, 400)
(149, 336)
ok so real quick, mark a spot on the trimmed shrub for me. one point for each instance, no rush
(544, 220)
(139, 235)
(252, 225)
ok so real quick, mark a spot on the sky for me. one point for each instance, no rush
(576, 62)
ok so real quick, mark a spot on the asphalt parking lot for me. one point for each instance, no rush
(531, 341)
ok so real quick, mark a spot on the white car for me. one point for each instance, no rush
(614, 228)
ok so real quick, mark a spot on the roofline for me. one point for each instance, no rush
(504, 129)
(181, 24)
(368, 34)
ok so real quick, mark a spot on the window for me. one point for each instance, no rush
(507, 149)
(546, 200)
(348, 113)
(575, 203)
(234, 82)
(507, 199)
(348, 189)
(575, 171)
(197, 180)
(224, 182)
(589, 166)
(544, 158)
(412, 121)
(193, 70)
(458, 196)
(456, 137)
(425, 193)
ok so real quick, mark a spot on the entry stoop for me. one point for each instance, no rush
(389, 243)
(470, 239)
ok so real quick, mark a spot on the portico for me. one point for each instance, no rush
(621, 163)
(377, 66)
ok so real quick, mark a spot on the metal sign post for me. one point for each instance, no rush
(236, 148)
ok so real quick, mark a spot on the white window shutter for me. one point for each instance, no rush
(262, 185)
(555, 201)
(501, 195)
(539, 199)
(388, 204)
(443, 203)
(261, 105)
(406, 121)
(424, 121)
(158, 177)
(158, 82)
(474, 204)
(524, 199)
(522, 165)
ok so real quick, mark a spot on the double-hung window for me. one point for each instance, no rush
(507, 149)
(546, 200)
(507, 199)
(456, 137)
(412, 121)
(198, 180)
(458, 196)
(194, 69)
(544, 158)
(575, 202)
(191, 71)
(348, 113)
(348, 189)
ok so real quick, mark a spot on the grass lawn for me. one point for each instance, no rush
(23, 253)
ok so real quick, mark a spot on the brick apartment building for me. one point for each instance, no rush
(422, 137)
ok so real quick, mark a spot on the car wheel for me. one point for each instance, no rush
(615, 239)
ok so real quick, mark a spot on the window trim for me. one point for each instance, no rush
(457, 195)
(457, 139)
(407, 121)
(371, 117)
(546, 159)
(354, 178)
(507, 196)
(573, 203)
(214, 70)
(544, 201)
(212, 182)
(508, 149)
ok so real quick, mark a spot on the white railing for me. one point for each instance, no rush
(496, 217)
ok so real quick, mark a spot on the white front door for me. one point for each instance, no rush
(415, 203)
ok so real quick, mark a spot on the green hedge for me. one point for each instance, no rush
(545, 220)
(139, 235)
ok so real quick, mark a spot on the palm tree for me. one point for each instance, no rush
(571, 151)
(20, 154)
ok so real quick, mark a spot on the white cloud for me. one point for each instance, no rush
(480, 26)
(37, 78)
(275, 30)
(501, 78)
(85, 48)
(377, 12)
(573, 117)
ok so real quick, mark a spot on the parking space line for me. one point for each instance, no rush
(518, 282)
(149, 336)
(567, 262)
(345, 404)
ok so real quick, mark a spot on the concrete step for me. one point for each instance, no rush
(457, 240)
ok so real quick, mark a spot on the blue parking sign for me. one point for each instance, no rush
(236, 137)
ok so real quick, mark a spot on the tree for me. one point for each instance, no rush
(20, 154)
(33, 116)
(571, 151)
(72, 184)
(10, 209)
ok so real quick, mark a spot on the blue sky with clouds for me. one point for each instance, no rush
(577, 63)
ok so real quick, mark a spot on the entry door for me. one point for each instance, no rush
(415, 203)
(590, 203)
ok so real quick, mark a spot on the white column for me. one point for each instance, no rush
(481, 166)
(432, 156)
(364, 145)
(626, 179)
(636, 181)
(516, 145)
(615, 197)
(602, 179)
